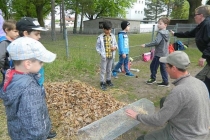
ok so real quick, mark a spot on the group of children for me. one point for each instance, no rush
(21, 63)
(106, 46)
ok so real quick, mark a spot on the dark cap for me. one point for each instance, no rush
(124, 24)
(27, 23)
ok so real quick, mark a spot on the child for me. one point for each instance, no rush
(24, 98)
(106, 46)
(161, 43)
(9, 28)
(29, 27)
(123, 44)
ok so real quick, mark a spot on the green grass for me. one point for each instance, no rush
(83, 57)
(83, 63)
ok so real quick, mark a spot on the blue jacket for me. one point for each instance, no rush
(26, 109)
(123, 43)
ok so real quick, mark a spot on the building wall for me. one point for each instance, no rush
(137, 11)
(92, 26)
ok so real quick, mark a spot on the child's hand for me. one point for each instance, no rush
(113, 48)
(124, 55)
(143, 45)
(172, 32)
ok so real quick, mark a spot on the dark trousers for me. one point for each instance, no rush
(154, 67)
(204, 75)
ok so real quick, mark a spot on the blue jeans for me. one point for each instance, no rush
(154, 67)
(122, 61)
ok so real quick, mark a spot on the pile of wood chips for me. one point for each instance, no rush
(73, 105)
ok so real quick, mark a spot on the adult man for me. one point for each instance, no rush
(186, 108)
(201, 33)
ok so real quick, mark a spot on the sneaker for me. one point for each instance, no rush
(114, 74)
(129, 74)
(51, 135)
(163, 84)
(150, 81)
(109, 83)
(103, 86)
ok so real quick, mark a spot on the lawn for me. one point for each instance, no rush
(83, 64)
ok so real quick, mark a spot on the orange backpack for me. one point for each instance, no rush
(171, 48)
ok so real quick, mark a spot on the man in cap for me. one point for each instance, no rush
(185, 109)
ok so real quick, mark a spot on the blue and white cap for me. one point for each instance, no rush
(25, 48)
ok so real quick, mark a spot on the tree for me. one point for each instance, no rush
(53, 35)
(6, 8)
(99, 8)
(23, 8)
(193, 5)
(154, 9)
(180, 10)
(32, 8)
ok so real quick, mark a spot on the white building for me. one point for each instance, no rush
(136, 12)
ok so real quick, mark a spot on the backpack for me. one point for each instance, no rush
(178, 45)
(8, 63)
(171, 48)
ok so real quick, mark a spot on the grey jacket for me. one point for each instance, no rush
(26, 109)
(161, 43)
(186, 109)
(100, 48)
(3, 50)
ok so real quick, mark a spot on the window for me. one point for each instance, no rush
(141, 12)
(135, 12)
(142, 2)
(138, 12)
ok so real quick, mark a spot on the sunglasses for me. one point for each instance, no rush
(197, 14)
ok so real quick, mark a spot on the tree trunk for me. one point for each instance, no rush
(193, 5)
(75, 18)
(53, 20)
(64, 20)
(39, 12)
(61, 26)
(81, 21)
